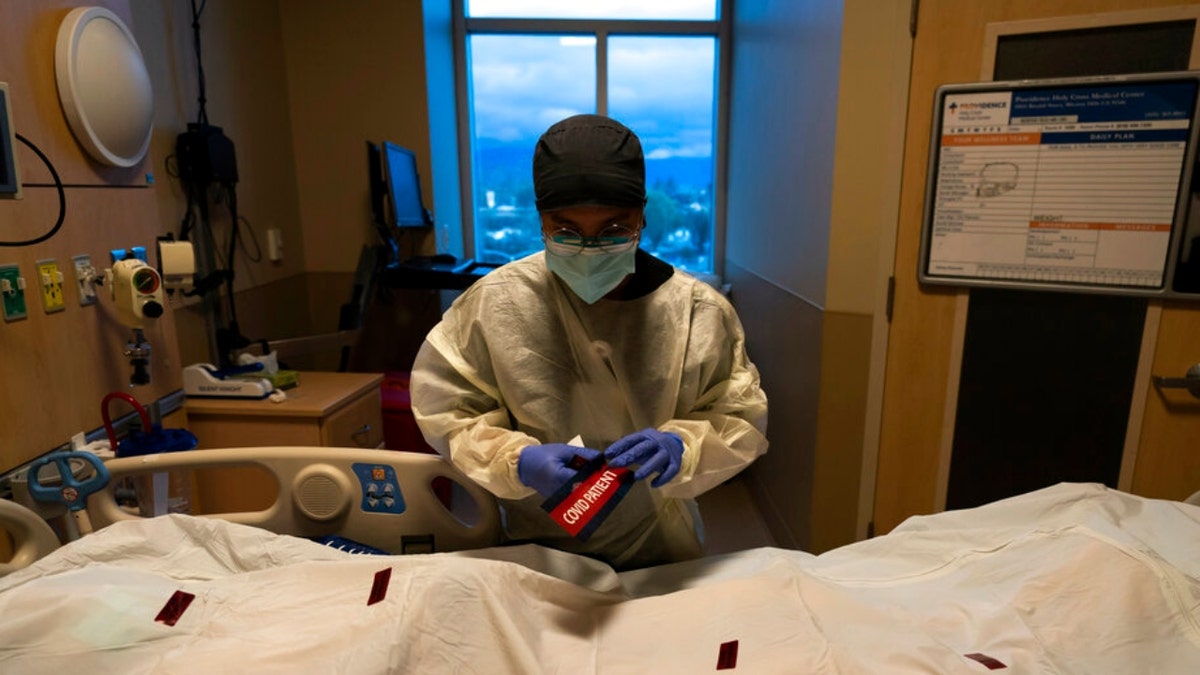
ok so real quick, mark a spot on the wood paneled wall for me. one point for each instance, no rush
(55, 368)
(259, 72)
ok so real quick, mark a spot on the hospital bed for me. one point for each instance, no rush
(1075, 578)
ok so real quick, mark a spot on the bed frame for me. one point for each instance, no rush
(383, 499)
(32, 537)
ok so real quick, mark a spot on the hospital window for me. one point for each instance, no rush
(654, 66)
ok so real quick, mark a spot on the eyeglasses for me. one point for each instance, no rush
(613, 239)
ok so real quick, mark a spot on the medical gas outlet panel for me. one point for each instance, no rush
(136, 287)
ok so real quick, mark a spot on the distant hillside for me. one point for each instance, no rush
(689, 172)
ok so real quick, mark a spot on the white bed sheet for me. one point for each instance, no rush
(1070, 579)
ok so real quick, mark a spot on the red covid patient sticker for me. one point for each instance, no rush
(583, 503)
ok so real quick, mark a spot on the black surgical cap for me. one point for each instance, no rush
(588, 160)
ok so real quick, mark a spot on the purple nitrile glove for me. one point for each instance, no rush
(655, 451)
(546, 468)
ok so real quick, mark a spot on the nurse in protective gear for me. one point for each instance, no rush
(596, 338)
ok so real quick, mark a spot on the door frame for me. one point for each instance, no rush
(1141, 387)
(875, 427)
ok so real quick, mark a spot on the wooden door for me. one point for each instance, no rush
(956, 42)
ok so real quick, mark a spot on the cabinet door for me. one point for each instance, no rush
(236, 489)
(1167, 465)
(358, 425)
(228, 431)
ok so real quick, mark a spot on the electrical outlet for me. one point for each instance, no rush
(84, 273)
(274, 244)
(12, 291)
(51, 282)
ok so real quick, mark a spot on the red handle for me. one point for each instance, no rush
(108, 428)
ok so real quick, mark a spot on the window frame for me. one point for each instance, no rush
(463, 27)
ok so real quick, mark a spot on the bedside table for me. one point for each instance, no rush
(324, 409)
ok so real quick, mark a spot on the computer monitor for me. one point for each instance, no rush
(404, 188)
(10, 181)
(377, 184)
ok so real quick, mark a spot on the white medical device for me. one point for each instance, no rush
(137, 290)
(177, 264)
(204, 380)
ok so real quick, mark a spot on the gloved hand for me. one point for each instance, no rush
(545, 468)
(656, 452)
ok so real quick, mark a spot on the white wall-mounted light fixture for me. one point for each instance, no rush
(104, 86)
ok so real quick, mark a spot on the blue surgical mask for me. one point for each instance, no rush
(592, 274)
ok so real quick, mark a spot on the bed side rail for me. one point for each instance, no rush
(32, 537)
(380, 498)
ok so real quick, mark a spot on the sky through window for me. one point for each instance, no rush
(661, 86)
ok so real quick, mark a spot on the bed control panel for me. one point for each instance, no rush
(380, 489)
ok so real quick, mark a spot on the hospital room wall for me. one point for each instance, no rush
(246, 94)
(816, 129)
(247, 97)
(56, 367)
(356, 72)
(298, 86)
(263, 68)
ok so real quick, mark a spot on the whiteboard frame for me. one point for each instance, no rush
(1182, 197)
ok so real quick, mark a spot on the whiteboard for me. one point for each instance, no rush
(1077, 184)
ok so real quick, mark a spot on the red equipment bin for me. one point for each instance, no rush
(400, 431)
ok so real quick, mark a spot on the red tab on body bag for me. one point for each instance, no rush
(176, 605)
(727, 655)
(991, 663)
(380, 586)
(586, 500)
